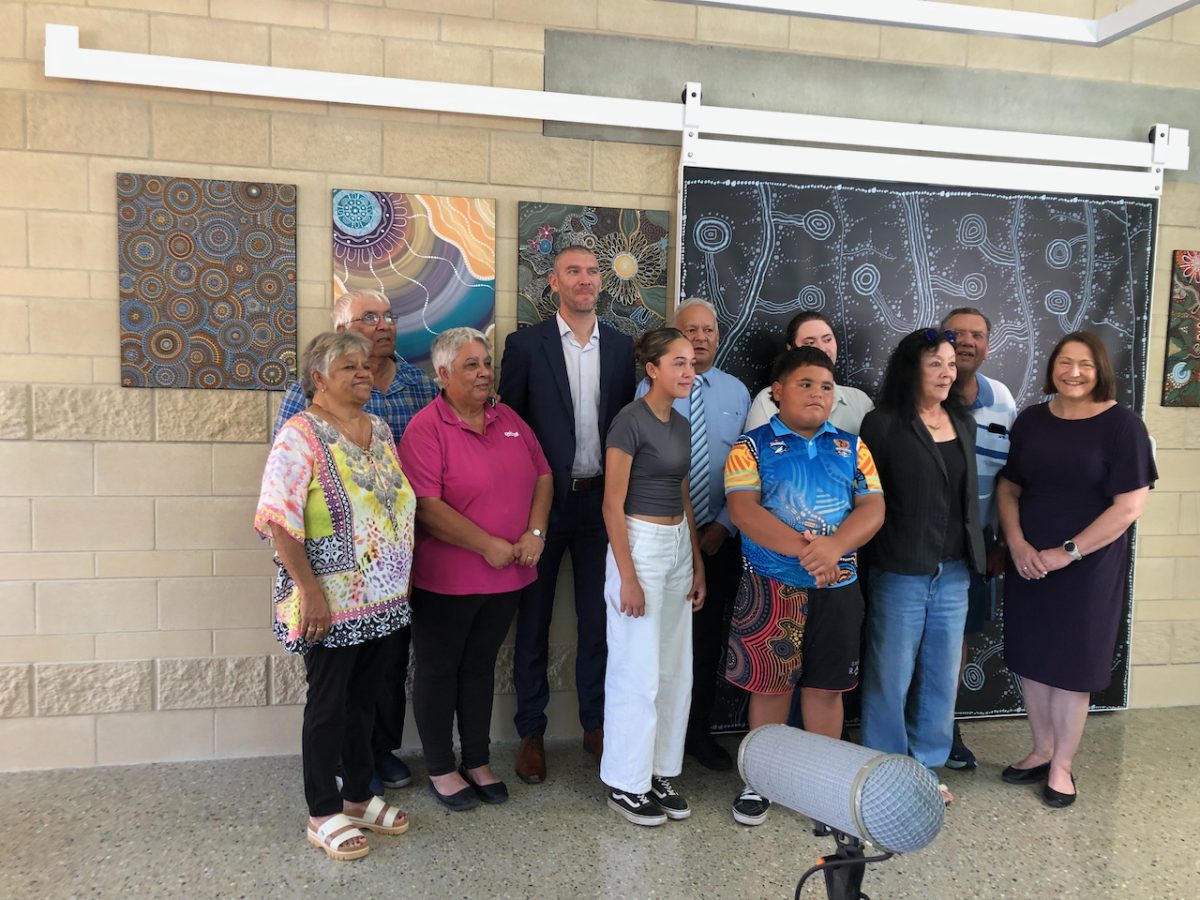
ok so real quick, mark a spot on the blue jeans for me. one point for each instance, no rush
(914, 634)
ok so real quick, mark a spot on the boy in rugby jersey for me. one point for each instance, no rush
(805, 496)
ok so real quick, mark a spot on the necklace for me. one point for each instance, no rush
(939, 426)
(349, 429)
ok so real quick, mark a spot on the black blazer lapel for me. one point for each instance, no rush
(552, 347)
(608, 364)
(924, 439)
(964, 428)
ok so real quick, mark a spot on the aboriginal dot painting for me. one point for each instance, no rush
(1181, 374)
(434, 258)
(207, 282)
(630, 247)
(881, 260)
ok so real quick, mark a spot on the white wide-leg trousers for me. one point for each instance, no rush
(648, 681)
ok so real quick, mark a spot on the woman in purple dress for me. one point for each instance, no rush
(1079, 468)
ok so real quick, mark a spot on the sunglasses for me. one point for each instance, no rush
(933, 336)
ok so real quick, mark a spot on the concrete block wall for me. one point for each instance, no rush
(134, 596)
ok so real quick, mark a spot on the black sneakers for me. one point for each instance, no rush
(961, 756)
(750, 808)
(668, 798)
(637, 808)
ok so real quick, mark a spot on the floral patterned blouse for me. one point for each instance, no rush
(353, 510)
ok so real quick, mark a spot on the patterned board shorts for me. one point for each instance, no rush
(766, 635)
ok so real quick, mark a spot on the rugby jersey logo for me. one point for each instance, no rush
(512, 434)
(842, 447)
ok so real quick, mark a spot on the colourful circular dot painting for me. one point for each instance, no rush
(207, 282)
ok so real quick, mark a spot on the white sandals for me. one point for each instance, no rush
(333, 833)
(381, 817)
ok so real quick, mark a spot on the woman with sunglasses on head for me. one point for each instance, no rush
(923, 442)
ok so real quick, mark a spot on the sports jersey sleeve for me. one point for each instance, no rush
(741, 467)
(866, 476)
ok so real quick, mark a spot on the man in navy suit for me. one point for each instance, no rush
(567, 377)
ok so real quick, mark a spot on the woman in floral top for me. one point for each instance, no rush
(340, 513)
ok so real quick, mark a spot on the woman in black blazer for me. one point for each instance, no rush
(923, 442)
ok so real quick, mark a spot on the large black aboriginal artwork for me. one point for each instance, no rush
(881, 260)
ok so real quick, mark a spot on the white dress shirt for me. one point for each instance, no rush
(583, 372)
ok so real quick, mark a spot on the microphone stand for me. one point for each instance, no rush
(843, 870)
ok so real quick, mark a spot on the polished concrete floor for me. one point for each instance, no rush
(235, 829)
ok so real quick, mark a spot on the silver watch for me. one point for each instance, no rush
(1073, 551)
(538, 533)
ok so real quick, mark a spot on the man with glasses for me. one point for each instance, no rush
(399, 391)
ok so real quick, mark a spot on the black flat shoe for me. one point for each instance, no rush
(1057, 799)
(459, 801)
(1013, 775)
(488, 793)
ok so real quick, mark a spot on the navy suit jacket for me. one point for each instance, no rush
(533, 381)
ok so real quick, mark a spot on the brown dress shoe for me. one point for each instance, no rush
(593, 743)
(531, 760)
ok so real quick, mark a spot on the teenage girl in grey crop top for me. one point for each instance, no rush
(654, 580)
(661, 454)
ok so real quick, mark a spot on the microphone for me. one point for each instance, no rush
(889, 800)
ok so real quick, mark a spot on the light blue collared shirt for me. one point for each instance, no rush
(726, 402)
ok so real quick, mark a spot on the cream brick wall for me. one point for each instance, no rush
(134, 598)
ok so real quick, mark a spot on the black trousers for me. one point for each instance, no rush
(390, 701)
(338, 717)
(710, 630)
(457, 639)
(576, 524)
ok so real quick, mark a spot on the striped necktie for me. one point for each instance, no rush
(698, 473)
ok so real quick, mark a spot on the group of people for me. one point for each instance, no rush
(766, 542)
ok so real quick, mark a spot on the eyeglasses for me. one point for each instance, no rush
(372, 318)
(936, 337)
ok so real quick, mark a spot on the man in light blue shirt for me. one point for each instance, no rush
(717, 410)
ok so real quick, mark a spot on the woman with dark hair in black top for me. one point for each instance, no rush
(924, 448)
(654, 579)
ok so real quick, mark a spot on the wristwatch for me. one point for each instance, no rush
(1073, 551)
(538, 533)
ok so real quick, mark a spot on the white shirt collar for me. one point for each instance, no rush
(564, 329)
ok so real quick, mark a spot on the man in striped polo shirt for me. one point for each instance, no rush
(992, 405)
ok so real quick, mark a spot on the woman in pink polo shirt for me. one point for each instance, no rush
(483, 497)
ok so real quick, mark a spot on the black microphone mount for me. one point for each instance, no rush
(844, 869)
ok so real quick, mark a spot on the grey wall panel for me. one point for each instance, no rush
(645, 69)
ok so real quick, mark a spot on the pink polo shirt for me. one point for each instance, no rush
(488, 477)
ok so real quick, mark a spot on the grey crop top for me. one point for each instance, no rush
(661, 454)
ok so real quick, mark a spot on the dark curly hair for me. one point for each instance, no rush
(902, 379)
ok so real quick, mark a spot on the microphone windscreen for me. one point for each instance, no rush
(890, 800)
